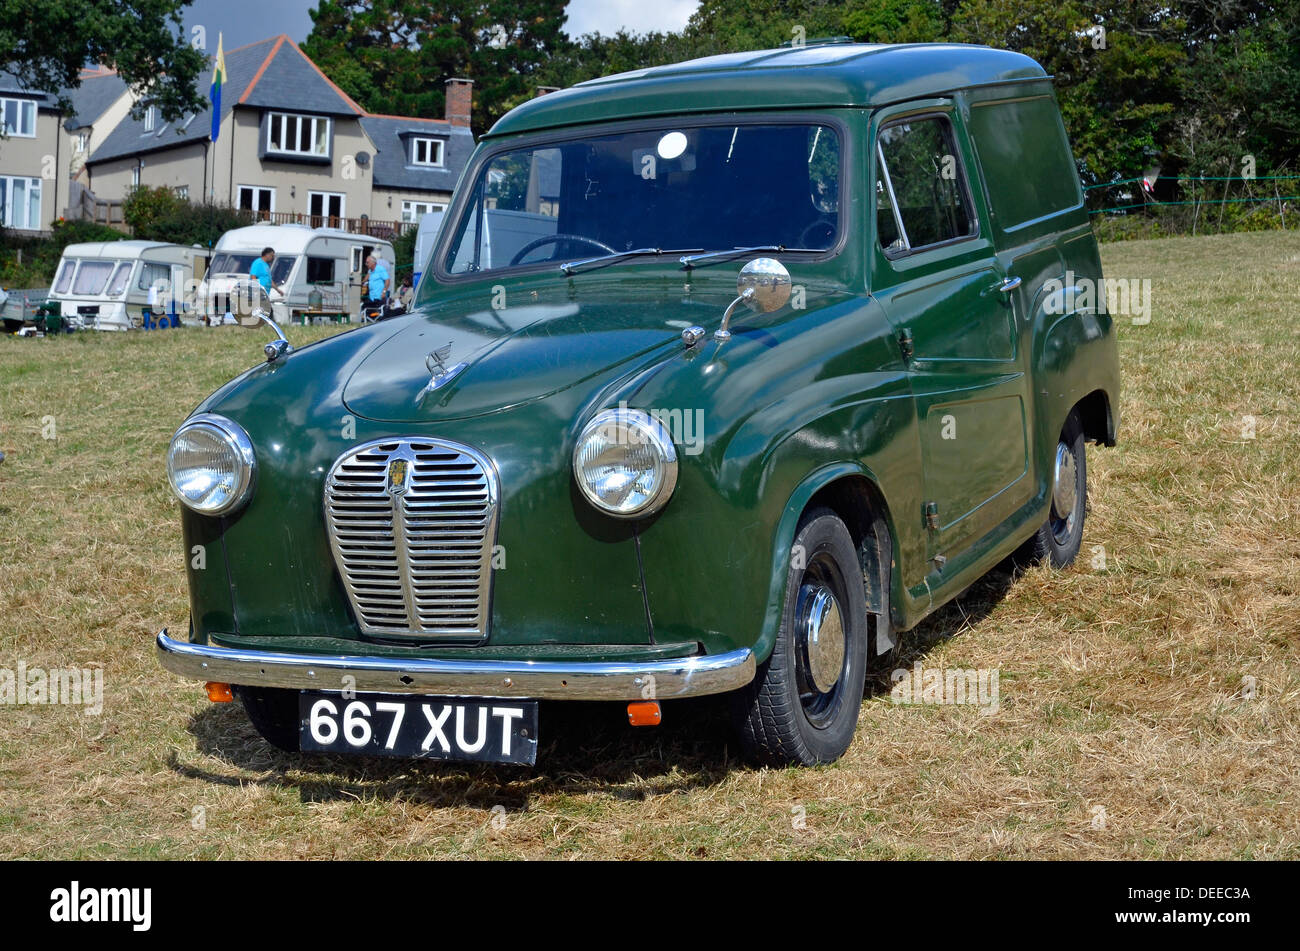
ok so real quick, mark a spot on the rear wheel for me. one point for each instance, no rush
(802, 706)
(1058, 539)
(274, 712)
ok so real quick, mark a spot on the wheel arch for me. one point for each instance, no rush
(1097, 418)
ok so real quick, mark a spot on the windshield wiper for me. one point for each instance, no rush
(573, 266)
(689, 261)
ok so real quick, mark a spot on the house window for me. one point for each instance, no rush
(149, 118)
(325, 205)
(413, 211)
(19, 117)
(426, 151)
(297, 135)
(257, 199)
(20, 203)
(135, 177)
(82, 142)
(182, 192)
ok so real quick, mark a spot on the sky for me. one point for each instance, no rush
(247, 21)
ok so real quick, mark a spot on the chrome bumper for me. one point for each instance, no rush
(539, 680)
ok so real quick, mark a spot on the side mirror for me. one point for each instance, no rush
(763, 285)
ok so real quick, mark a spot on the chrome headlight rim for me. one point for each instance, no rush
(655, 435)
(235, 437)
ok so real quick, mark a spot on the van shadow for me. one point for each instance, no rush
(969, 608)
(584, 747)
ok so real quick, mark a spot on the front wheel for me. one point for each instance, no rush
(802, 706)
(1058, 539)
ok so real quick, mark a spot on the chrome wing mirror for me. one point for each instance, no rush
(763, 286)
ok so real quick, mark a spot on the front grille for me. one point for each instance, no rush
(412, 524)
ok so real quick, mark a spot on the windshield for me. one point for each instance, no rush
(231, 262)
(706, 188)
(92, 276)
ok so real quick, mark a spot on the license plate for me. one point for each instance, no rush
(445, 728)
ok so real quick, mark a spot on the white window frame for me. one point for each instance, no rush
(83, 141)
(408, 209)
(31, 185)
(436, 146)
(239, 204)
(182, 192)
(26, 110)
(343, 204)
(135, 176)
(297, 118)
(150, 119)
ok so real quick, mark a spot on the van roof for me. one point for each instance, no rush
(801, 77)
(287, 239)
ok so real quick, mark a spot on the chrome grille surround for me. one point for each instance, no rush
(413, 543)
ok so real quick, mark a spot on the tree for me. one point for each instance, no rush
(392, 56)
(46, 44)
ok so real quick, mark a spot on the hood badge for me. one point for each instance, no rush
(439, 371)
(397, 472)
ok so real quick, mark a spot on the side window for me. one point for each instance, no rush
(922, 197)
(1026, 160)
(320, 270)
(150, 274)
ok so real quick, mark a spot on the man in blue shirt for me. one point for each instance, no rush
(261, 269)
(377, 286)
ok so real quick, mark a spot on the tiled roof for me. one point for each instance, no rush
(271, 73)
(10, 84)
(96, 93)
(392, 163)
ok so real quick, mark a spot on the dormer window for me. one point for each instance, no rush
(426, 151)
(289, 134)
(150, 118)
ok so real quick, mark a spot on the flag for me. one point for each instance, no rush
(214, 92)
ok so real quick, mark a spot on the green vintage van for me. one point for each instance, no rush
(721, 375)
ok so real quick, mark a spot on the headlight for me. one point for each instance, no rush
(210, 464)
(625, 463)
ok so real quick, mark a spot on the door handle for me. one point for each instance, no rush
(1007, 285)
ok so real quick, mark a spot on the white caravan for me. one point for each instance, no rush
(325, 259)
(118, 285)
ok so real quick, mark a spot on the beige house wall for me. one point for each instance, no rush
(44, 157)
(169, 168)
(96, 134)
(382, 210)
(241, 139)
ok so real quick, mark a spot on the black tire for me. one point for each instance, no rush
(783, 717)
(274, 712)
(1059, 538)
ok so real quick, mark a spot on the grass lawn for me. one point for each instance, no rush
(1149, 708)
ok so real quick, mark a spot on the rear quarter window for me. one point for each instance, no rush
(1027, 164)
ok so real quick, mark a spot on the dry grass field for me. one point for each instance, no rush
(1149, 708)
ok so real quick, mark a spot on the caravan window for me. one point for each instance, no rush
(151, 274)
(65, 277)
(117, 286)
(320, 270)
(92, 276)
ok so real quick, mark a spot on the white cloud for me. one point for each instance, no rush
(635, 16)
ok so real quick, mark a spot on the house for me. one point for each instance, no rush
(32, 152)
(293, 147)
(43, 153)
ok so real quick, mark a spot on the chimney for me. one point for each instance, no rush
(460, 95)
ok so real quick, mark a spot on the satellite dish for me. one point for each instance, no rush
(363, 159)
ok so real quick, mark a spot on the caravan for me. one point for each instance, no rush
(325, 260)
(118, 285)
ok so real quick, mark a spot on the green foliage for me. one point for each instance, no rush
(31, 262)
(383, 53)
(157, 214)
(46, 43)
(404, 253)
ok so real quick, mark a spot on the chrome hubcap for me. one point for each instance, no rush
(822, 630)
(1065, 487)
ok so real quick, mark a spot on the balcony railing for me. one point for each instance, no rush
(373, 227)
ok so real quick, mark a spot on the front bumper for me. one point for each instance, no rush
(537, 680)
